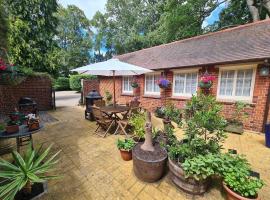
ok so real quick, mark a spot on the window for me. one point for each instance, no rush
(185, 83)
(126, 84)
(151, 86)
(236, 84)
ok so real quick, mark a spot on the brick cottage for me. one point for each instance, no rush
(235, 56)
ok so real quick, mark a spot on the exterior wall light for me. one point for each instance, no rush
(264, 68)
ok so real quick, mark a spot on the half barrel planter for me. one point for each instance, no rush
(189, 185)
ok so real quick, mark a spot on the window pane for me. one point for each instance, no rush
(151, 83)
(156, 87)
(243, 84)
(185, 83)
(188, 83)
(226, 83)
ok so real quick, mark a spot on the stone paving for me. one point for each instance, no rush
(93, 169)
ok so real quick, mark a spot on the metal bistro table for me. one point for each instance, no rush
(24, 135)
(112, 111)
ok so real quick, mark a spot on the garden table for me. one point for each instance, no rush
(112, 111)
(24, 135)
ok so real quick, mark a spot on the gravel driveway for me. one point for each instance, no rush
(67, 98)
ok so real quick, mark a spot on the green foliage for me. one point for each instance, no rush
(75, 81)
(2, 127)
(74, 39)
(137, 121)
(108, 97)
(239, 114)
(61, 83)
(32, 25)
(126, 144)
(170, 112)
(33, 167)
(3, 25)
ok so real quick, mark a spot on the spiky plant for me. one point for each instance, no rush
(32, 167)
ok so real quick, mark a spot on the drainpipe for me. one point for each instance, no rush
(266, 113)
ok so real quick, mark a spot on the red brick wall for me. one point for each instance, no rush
(37, 88)
(89, 85)
(256, 110)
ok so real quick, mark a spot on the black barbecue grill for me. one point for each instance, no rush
(89, 101)
(27, 105)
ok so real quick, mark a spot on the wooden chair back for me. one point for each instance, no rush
(97, 114)
(99, 103)
(134, 104)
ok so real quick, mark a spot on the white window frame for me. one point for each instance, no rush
(147, 92)
(185, 71)
(129, 82)
(233, 98)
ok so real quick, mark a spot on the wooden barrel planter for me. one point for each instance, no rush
(149, 166)
(189, 185)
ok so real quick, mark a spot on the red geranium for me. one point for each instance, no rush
(207, 79)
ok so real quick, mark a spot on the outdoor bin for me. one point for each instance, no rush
(267, 135)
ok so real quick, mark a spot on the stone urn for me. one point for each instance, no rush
(189, 185)
(149, 161)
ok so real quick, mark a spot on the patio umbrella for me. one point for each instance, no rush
(112, 67)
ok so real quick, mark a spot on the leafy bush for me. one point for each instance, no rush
(170, 112)
(239, 115)
(75, 81)
(126, 144)
(61, 83)
(33, 167)
(108, 97)
(137, 121)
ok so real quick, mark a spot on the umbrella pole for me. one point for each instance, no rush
(114, 102)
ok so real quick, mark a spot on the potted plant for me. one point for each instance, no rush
(206, 81)
(203, 136)
(125, 147)
(137, 122)
(237, 181)
(108, 97)
(25, 177)
(235, 123)
(32, 122)
(12, 126)
(136, 88)
(164, 83)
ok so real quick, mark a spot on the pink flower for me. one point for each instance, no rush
(3, 67)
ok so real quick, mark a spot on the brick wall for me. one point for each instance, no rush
(89, 85)
(256, 110)
(37, 88)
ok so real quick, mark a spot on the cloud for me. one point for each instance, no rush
(90, 7)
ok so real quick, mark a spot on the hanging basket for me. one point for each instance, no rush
(9, 78)
(205, 85)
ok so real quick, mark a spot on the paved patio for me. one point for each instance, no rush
(92, 167)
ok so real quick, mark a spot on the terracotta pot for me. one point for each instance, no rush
(12, 129)
(231, 195)
(190, 185)
(33, 126)
(126, 155)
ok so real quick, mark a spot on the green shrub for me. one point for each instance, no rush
(137, 121)
(126, 144)
(61, 83)
(75, 81)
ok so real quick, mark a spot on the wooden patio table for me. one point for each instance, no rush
(112, 111)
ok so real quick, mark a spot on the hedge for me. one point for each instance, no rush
(75, 81)
(61, 83)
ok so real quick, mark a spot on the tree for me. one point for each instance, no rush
(32, 25)
(235, 13)
(259, 9)
(3, 25)
(74, 38)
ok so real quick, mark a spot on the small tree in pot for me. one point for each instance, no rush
(125, 147)
(28, 170)
(203, 135)
(235, 124)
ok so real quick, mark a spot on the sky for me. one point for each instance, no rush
(90, 7)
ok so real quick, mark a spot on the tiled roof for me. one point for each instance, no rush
(248, 42)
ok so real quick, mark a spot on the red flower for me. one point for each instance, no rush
(3, 67)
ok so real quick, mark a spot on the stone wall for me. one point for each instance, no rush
(37, 88)
(256, 109)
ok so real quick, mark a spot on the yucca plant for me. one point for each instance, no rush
(32, 167)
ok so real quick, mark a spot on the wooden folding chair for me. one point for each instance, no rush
(102, 121)
(124, 123)
(99, 103)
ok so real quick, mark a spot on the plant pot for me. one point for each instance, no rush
(33, 126)
(37, 190)
(126, 155)
(149, 166)
(231, 195)
(12, 129)
(190, 185)
(235, 128)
